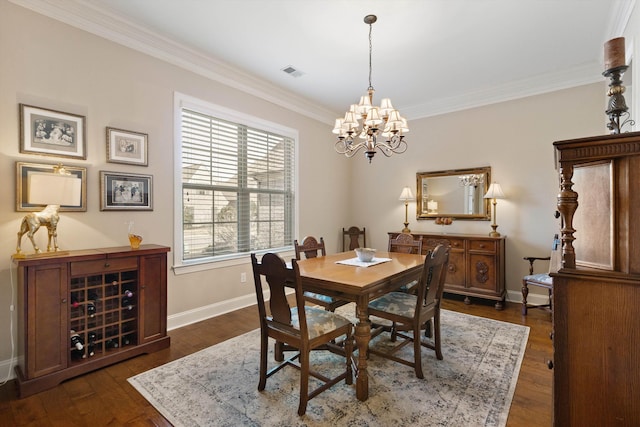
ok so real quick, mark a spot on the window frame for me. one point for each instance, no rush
(182, 101)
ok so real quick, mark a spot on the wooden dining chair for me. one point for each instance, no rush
(351, 238)
(302, 327)
(311, 248)
(406, 243)
(412, 312)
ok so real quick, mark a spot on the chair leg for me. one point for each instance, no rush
(436, 334)
(278, 352)
(428, 329)
(264, 346)
(525, 292)
(304, 382)
(417, 351)
(348, 348)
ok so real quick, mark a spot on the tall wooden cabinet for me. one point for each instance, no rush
(596, 314)
(114, 299)
(476, 264)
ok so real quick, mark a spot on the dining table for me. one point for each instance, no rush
(342, 276)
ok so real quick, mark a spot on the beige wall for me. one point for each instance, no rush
(47, 63)
(514, 138)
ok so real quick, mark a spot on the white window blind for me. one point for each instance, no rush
(237, 188)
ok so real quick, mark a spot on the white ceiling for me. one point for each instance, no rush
(429, 56)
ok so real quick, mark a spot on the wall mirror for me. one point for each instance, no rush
(456, 193)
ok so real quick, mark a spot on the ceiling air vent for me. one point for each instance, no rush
(290, 69)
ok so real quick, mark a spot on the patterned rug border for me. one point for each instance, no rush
(175, 416)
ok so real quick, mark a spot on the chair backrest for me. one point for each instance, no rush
(352, 237)
(278, 277)
(310, 247)
(434, 273)
(405, 243)
(274, 270)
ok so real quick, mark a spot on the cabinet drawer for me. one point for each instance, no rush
(432, 242)
(103, 265)
(482, 245)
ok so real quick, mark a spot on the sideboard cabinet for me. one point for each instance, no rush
(113, 301)
(596, 319)
(476, 264)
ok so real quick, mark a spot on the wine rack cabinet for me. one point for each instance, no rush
(113, 301)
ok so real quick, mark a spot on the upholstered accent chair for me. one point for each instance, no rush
(543, 280)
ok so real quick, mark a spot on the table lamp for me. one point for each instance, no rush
(494, 192)
(51, 189)
(406, 196)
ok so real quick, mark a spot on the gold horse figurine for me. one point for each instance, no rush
(32, 223)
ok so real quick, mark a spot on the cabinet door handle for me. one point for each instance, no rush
(64, 300)
(550, 364)
(481, 245)
(107, 265)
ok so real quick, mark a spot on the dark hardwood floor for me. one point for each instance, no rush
(104, 397)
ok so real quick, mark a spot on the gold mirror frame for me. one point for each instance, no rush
(450, 194)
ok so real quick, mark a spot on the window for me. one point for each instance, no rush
(236, 184)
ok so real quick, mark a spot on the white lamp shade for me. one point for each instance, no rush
(338, 127)
(365, 105)
(54, 189)
(494, 192)
(406, 195)
(385, 107)
(373, 117)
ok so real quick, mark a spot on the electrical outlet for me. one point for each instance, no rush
(243, 277)
(11, 307)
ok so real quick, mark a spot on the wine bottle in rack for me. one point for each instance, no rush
(91, 303)
(75, 304)
(91, 346)
(128, 339)
(111, 343)
(77, 344)
(127, 299)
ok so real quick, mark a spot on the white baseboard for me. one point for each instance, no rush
(188, 317)
(203, 313)
(535, 299)
(7, 369)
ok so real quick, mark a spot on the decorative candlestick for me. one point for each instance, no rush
(614, 63)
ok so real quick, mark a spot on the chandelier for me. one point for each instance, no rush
(382, 127)
(472, 180)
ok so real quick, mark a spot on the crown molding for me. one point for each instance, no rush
(95, 20)
(538, 85)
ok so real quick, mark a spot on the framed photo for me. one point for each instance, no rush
(22, 186)
(125, 192)
(53, 133)
(124, 146)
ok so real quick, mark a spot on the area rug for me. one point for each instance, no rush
(472, 386)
